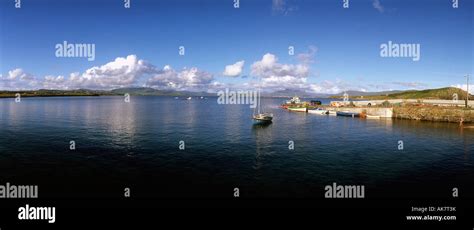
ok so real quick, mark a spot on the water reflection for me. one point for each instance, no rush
(263, 138)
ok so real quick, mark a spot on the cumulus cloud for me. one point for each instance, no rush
(234, 70)
(18, 79)
(412, 85)
(186, 79)
(276, 75)
(131, 71)
(378, 6)
(337, 86)
(52, 82)
(464, 87)
(122, 72)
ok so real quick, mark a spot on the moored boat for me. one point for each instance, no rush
(347, 114)
(263, 118)
(372, 116)
(259, 116)
(332, 113)
(318, 111)
(298, 109)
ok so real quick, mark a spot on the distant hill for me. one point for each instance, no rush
(135, 91)
(441, 93)
(54, 93)
(362, 93)
(144, 91)
(294, 92)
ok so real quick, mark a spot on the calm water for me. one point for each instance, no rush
(136, 144)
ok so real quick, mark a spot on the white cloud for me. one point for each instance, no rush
(277, 76)
(234, 70)
(19, 74)
(281, 7)
(333, 87)
(309, 56)
(186, 79)
(122, 72)
(411, 85)
(18, 79)
(464, 87)
(52, 82)
(269, 67)
(378, 6)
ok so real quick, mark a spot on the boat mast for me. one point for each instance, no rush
(259, 101)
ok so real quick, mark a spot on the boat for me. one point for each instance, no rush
(332, 113)
(263, 118)
(294, 100)
(189, 98)
(298, 109)
(259, 117)
(347, 114)
(372, 116)
(318, 111)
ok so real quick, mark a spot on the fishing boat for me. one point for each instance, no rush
(372, 116)
(318, 111)
(298, 109)
(294, 100)
(260, 117)
(347, 114)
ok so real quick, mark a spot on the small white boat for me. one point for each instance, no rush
(298, 109)
(372, 117)
(332, 113)
(189, 98)
(318, 111)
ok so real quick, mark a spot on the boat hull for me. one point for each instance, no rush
(347, 114)
(372, 117)
(304, 110)
(262, 118)
(318, 111)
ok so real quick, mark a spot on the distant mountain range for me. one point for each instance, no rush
(441, 93)
(136, 91)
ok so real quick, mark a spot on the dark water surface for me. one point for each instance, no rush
(136, 145)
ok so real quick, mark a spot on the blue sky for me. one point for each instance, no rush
(336, 48)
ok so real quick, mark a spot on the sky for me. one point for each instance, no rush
(335, 48)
